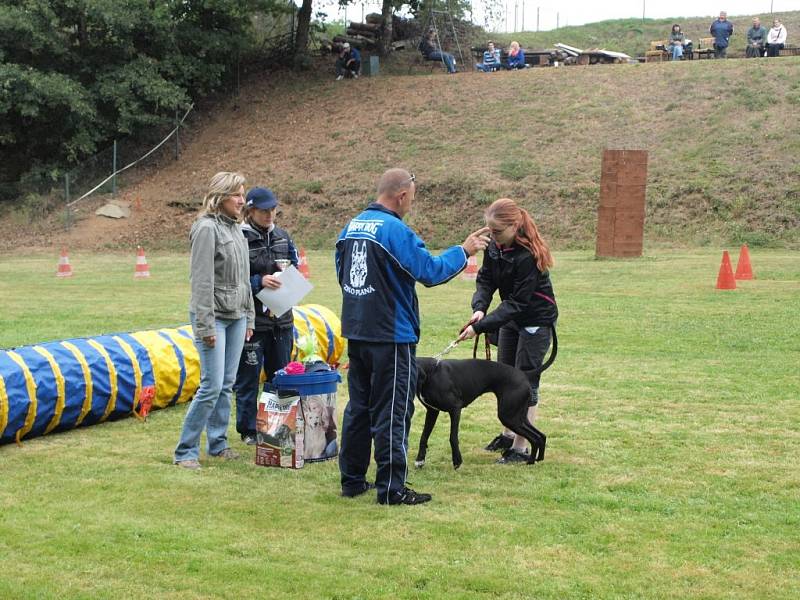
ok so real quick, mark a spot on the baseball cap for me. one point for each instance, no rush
(261, 198)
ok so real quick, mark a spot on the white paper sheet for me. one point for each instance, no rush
(294, 288)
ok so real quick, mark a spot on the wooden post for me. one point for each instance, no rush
(114, 171)
(620, 216)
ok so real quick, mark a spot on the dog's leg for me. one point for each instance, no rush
(537, 439)
(455, 419)
(430, 420)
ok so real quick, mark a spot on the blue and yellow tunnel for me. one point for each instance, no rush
(56, 386)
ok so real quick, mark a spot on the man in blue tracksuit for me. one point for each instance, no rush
(378, 260)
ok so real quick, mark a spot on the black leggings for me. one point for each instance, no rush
(518, 347)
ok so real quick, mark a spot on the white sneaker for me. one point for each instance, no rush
(355, 75)
(340, 77)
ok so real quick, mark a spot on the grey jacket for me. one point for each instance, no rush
(219, 271)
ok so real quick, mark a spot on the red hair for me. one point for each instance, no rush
(506, 213)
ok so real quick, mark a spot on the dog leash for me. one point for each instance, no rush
(451, 345)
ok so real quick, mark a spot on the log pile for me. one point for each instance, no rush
(366, 36)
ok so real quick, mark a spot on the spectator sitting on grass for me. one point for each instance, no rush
(428, 48)
(349, 62)
(756, 37)
(676, 42)
(776, 38)
(491, 59)
(516, 57)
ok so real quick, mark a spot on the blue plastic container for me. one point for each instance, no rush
(309, 384)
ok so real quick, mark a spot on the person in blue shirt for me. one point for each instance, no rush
(516, 57)
(349, 62)
(378, 261)
(722, 30)
(491, 59)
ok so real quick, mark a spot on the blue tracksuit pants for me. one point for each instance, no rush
(382, 381)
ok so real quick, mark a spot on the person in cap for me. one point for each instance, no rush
(379, 259)
(222, 316)
(349, 62)
(270, 346)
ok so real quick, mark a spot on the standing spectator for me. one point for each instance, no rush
(428, 48)
(270, 347)
(756, 38)
(491, 59)
(517, 264)
(776, 38)
(222, 316)
(722, 30)
(378, 261)
(516, 57)
(349, 62)
(676, 42)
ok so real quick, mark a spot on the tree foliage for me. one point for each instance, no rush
(74, 74)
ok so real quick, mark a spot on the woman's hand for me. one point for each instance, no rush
(476, 316)
(210, 340)
(467, 334)
(248, 334)
(271, 282)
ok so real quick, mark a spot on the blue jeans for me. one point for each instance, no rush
(677, 52)
(211, 407)
(487, 68)
(448, 59)
(271, 349)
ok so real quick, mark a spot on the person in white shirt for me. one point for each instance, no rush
(776, 38)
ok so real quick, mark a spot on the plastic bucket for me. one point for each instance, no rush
(317, 393)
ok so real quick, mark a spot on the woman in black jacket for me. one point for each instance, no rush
(517, 264)
(270, 347)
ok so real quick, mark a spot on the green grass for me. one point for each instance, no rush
(672, 422)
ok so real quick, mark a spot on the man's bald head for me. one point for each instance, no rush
(394, 181)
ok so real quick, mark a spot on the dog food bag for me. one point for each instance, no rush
(319, 416)
(279, 430)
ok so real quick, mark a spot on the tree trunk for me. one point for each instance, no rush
(385, 45)
(303, 23)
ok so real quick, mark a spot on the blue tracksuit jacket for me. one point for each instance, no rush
(378, 260)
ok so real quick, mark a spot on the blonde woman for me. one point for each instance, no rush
(516, 57)
(222, 316)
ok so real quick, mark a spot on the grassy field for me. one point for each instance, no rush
(671, 415)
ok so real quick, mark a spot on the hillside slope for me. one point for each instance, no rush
(633, 36)
(723, 138)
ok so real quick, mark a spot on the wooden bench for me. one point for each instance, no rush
(656, 54)
(705, 48)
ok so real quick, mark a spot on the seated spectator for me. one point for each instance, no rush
(516, 57)
(349, 63)
(491, 59)
(427, 47)
(676, 42)
(756, 38)
(776, 38)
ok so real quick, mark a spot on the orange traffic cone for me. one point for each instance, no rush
(64, 268)
(471, 272)
(302, 265)
(725, 280)
(743, 268)
(142, 270)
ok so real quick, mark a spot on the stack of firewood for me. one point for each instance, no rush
(362, 35)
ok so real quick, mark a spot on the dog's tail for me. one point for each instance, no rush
(553, 353)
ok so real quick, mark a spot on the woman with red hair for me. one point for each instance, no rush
(517, 264)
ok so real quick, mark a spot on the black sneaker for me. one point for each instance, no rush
(512, 456)
(500, 443)
(353, 492)
(250, 440)
(407, 496)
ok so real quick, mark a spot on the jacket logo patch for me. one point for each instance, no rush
(358, 265)
(358, 272)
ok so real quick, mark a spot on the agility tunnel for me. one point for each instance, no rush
(61, 385)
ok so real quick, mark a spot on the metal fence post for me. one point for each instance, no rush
(114, 171)
(68, 213)
(177, 134)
